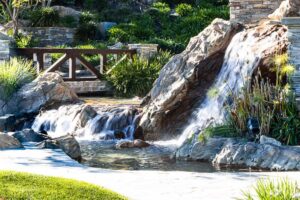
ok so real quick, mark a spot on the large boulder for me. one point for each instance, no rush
(67, 11)
(184, 80)
(48, 89)
(238, 152)
(9, 142)
(287, 8)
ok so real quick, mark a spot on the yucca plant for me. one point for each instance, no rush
(13, 74)
(268, 189)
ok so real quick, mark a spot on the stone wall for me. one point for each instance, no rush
(252, 11)
(4, 47)
(50, 36)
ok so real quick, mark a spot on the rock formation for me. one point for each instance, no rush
(9, 142)
(288, 8)
(46, 90)
(183, 81)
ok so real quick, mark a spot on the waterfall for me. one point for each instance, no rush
(242, 57)
(102, 123)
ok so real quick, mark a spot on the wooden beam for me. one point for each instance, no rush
(89, 66)
(57, 64)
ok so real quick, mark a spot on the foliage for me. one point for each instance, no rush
(15, 73)
(272, 104)
(217, 130)
(25, 41)
(171, 33)
(162, 7)
(273, 190)
(44, 17)
(68, 21)
(135, 77)
(87, 29)
(184, 9)
(14, 185)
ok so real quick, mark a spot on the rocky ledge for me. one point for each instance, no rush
(267, 154)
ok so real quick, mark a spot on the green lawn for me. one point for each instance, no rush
(23, 186)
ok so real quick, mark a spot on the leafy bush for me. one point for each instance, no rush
(217, 130)
(13, 74)
(184, 9)
(162, 7)
(25, 41)
(44, 17)
(135, 77)
(118, 34)
(273, 190)
(68, 21)
(87, 29)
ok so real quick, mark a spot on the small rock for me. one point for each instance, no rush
(124, 144)
(140, 144)
(9, 142)
(48, 144)
(70, 146)
(267, 140)
(28, 135)
(7, 123)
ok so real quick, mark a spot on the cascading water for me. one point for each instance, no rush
(89, 123)
(241, 58)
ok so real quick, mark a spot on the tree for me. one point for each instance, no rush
(13, 8)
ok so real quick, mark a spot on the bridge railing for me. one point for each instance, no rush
(73, 56)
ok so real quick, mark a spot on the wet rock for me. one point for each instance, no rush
(124, 144)
(28, 135)
(7, 123)
(185, 79)
(87, 113)
(48, 144)
(48, 89)
(70, 146)
(138, 133)
(140, 144)
(237, 152)
(267, 140)
(119, 135)
(9, 142)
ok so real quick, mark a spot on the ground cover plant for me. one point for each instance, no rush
(17, 186)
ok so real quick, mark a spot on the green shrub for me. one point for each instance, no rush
(25, 41)
(85, 32)
(128, 75)
(117, 34)
(273, 190)
(69, 21)
(184, 9)
(162, 7)
(87, 17)
(218, 130)
(13, 74)
(44, 17)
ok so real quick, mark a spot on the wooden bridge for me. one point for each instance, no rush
(74, 56)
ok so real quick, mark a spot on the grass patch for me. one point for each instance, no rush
(13, 74)
(282, 189)
(15, 186)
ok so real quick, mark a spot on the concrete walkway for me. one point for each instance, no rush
(139, 185)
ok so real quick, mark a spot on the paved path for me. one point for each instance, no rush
(139, 185)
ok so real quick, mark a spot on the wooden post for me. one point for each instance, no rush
(72, 68)
(40, 62)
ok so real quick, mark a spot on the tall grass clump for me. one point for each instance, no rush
(13, 74)
(282, 189)
(273, 104)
